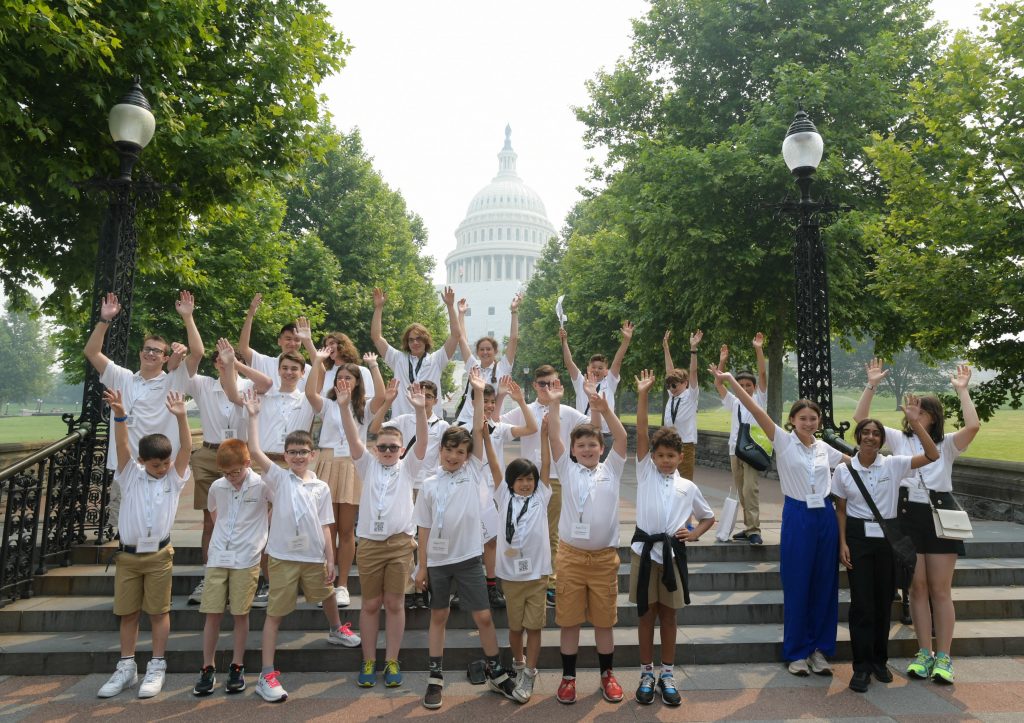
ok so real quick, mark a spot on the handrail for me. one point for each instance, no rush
(84, 429)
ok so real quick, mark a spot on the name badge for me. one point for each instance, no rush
(378, 527)
(130, 422)
(298, 543)
(283, 436)
(815, 501)
(438, 546)
(147, 544)
(581, 530)
(225, 558)
(230, 433)
(919, 495)
(873, 529)
(524, 566)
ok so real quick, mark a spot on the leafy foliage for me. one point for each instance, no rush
(25, 357)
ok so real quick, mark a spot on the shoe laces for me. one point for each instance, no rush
(271, 679)
(668, 681)
(647, 680)
(345, 630)
(391, 667)
(923, 657)
(943, 661)
(369, 666)
(152, 675)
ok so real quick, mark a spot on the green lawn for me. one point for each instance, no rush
(35, 429)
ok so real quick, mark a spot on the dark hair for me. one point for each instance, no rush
(798, 405)
(154, 446)
(519, 467)
(358, 394)
(345, 347)
(292, 356)
(216, 355)
(930, 404)
(157, 337)
(599, 358)
(544, 370)
(299, 436)
(489, 392)
(285, 329)
(232, 452)
(677, 376)
(455, 437)
(586, 430)
(481, 340)
(428, 340)
(745, 374)
(859, 429)
(667, 437)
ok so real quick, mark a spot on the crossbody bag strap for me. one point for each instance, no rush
(865, 493)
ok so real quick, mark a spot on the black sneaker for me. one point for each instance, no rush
(454, 602)
(882, 673)
(499, 681)
(495, 598)
(645, 691)
(740, 536)
(432, 698)
(550, 598)
(755, 539)
(422, 600)
(236, 679)
(207, 680)
(410, 601)
(669, 692)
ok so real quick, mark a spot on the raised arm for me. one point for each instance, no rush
(246, 332)
(695, 338)
(454, 330)
(620, 353)
(972, 424)
(418, 399)
(723, 360)
(529, 421)
(912, 411)
(376, 335)
(763, 420)
(251, 401)
(370, 360)
(619, 438)
(316, 376)
(185, 306)
(229, 377)
(570, 365)
(260, 381)
(513, 331)
(545, 454)
(875, 374)
(762, 364)
(463, 337)
(476, 381)
(119, 418)
(644, 382)
(110, 307)
(389, 397)
(344, 401)
(669, 366)
(176, 405)
(552, 398)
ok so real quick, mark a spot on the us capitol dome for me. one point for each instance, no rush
(497, 244)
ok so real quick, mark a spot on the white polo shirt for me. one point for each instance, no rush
(332, 433)
(332, 373)
(530, 538)
(664, 503)
(281, 413)
(301, 509)
(731, 404)
(407, 369)
(449, 504)
(500, 434)
(502, 367)
(803, 468)
(606, 388)
(385, 505)
(148, 504)
(590, 496)
(568, 418)
(681, 415)
(217, 413)
(144, 403)
(268, 365)
(882, 480)
(937, 475)
(406, 424)
(241, 526)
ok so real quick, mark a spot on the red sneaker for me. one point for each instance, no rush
(567, 691)
(610, 688)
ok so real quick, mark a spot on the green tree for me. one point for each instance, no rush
(907, 371)
(949, 250)
(25, 357)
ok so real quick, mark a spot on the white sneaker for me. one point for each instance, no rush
(269, 688)
(524, 686)
(799, 667)
(344, 636)
(262, 597)
(126, 675)
(342, 596)
(818, 664)
(196, 597)
(153, 683)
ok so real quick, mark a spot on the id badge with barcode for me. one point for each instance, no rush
(147, 544)
(438, 546)
(230, 433)
(298, 543)
(524, 566)
(873, 529)
(581, 530)
(815, 501)
(378, 527)
(224, 558)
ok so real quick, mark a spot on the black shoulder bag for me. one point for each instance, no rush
(747, 450)
(903, 551)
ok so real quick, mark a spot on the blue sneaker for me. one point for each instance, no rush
(367, 674)
(645, 691)
(550, 598)
(392, 674)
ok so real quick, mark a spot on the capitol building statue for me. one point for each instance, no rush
(497, 245)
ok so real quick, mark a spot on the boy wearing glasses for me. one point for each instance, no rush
(299, 544)
(683, 396)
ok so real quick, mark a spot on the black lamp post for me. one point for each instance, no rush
(802, 150)
(131, 125)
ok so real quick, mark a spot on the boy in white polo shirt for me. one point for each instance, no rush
(299, 544)
(683, 397)
(238, 502)
(385, 531)
(448, 515)
(588, 531)
(658, 573)
(287, 339)
(150, 488)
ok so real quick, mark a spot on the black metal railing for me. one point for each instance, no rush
(44, 499)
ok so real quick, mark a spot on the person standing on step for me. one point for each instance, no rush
(287, 339)
(931, 591)
(744, 476)
(665, 501)
(150, 489)
(809, 550)
(492, 367)
(683, 397)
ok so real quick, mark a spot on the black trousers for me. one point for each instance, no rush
(872, 585)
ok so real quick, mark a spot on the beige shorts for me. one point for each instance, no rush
(340, 475)
(222, 585)
(587, 586)
(526, 603)
(204, 474)
(384, 565)
(143, 582)
(686, 464)
(656, 590)
(285, 578)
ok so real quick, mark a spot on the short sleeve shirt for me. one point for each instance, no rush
(492, 374)
(268, 365)
(731, 404)
(281, 413)
(681, 414)
(332, 433)
(606, 388)
(367, 376)
(241, 525)
(882, 480)
(529, 535)
(148, 504)
(407, 369)
(218, 414)
(449, 505)
(144, 402)
(568, 417)
(301, 509)
(385, 505)
(804, 470)
(938, 475)
(590, 496)
(664, 503)
(406, 424)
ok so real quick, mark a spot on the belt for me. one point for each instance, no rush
(210, 445)
(669, 545)
(130, 549)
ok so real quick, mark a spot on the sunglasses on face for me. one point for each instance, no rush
(383, 448)
(154, 351)
(545, 385)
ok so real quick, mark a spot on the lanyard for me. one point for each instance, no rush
(390, 474)
(510, 527)
(676, 401)
(809, 464)
(441, 501)
(597, 390)
(154, 496)
(300, 500)
(236, 506)
(419, 365)
(586, 490)
(667, 487)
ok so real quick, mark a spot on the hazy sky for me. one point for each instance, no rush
(431, 85)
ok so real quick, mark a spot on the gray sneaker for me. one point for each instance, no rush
(153, 683)
(524, 686)
(196, 598)
(344, 636)
(818, 664)
(126, 675)
(262, 598)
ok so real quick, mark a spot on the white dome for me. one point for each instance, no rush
(507, 193)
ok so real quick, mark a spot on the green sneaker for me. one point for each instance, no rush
(942, 672)
(921, 666)
(367, 674)
(392, 674)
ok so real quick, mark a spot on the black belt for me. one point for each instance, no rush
(130, 549)
(669, 545)
(211, 445)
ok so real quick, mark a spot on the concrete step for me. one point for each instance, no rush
(59, 653)
(94, 613)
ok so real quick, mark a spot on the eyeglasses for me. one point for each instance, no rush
(545, 385)
(673, 385)
(298, 452)
(382, 448)
(234, 472)
(154, 351)
(417, 338)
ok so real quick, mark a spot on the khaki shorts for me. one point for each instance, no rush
(384, 565)
(285, 578)
(223, 584)
(587, 587)
(686, 464)
(143, 582)
(526, 602)
(204, 473)
(656, 590)
(340, 475)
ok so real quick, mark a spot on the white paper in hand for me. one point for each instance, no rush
(562, 318)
